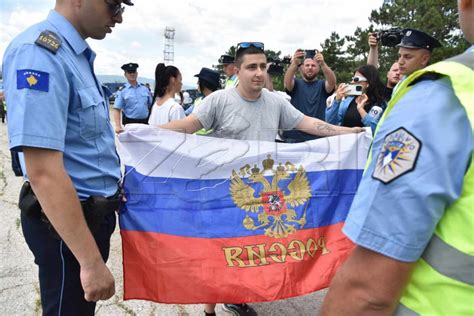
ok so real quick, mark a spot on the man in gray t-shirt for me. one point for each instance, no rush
(248, 112)
(230, 115)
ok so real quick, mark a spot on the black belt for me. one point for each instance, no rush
(95, 208)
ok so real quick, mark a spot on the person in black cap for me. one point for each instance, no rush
(415, 51)
(133, 101)
(208, 82)
(230, 71)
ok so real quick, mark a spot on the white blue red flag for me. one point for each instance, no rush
(211, 220)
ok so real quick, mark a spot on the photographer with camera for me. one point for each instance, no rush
(308, 94)
(360, 103)
(393, 75)
(415, 48)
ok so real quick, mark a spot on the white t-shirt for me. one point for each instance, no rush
(165, 113)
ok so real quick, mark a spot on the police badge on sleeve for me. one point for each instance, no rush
(398, 156)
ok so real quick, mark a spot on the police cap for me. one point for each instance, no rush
(210, 76)
(130, 67)
(417, 39)
(226, 59)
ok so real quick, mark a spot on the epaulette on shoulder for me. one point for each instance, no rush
(427, 76)
(49, 40)
(121, 88)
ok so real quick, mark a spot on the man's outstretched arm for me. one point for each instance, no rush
(188, 125)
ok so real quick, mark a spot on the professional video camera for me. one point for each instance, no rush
(276, 65)
(391, 37)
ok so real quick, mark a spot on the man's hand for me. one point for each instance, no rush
(298, 57)
(97, 282)
(118, 129)
(319, 59)
(373, 40)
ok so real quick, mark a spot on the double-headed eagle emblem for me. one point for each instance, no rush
(272, 203)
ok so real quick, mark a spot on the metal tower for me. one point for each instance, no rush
(168, 52)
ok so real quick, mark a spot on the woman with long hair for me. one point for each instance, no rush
(362, 110)
(168, 82)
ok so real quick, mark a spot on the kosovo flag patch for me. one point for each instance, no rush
(32, 79)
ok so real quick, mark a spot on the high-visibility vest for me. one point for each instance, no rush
(443, 279)
(202, 131)
(231, 82)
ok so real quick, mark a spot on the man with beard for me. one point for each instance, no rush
(308, 94)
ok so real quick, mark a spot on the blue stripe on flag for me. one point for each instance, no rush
(204, 207)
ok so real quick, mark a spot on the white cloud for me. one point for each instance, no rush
(204, 30)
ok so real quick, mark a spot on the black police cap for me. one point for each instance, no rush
(130, 67)
(209, 75)
(226, 59)
(418, 39)
(127, 2)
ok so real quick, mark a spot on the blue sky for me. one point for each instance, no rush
(204, 29)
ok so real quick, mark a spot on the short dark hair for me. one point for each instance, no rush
(239, 55)
(206, 84)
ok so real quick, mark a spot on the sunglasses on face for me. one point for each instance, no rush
(115, 8)
(359, 79)
(243, 45)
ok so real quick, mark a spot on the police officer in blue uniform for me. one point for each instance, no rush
(133, 101)
(59, 119)
(421, 155)
(414, 51)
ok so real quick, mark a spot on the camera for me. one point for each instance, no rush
(310, 53)
(354, 89)
(276, 65)
(391, 37)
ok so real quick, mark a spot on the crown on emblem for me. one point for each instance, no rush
(255, 170)
(268, 163)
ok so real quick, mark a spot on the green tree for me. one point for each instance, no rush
(438, 18)
(335, 56)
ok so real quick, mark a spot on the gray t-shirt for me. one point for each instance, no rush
(232, 116)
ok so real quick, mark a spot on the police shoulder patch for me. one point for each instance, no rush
(32, 79)
(49, 40)
(398, 156)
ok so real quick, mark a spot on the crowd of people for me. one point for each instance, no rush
(413, 206)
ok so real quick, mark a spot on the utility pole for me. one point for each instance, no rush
(168, 52)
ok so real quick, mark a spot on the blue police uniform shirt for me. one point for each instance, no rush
(55, 102)
(397, 219)
(134, 101)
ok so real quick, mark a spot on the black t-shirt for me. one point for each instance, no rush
(387, 92)
(352, 117)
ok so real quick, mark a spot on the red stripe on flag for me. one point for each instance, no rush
(182, 270)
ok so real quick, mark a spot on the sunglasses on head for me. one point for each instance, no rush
(359, 79)
(243, 45)
(115, 8)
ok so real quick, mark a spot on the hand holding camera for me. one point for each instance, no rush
(373, 40)
(344, 90)
(319, 58)
(298, 57)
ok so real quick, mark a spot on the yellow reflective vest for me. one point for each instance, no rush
(443, 279)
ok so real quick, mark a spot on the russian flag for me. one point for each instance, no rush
(211, 220)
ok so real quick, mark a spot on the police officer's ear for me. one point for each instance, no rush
(425, 58)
